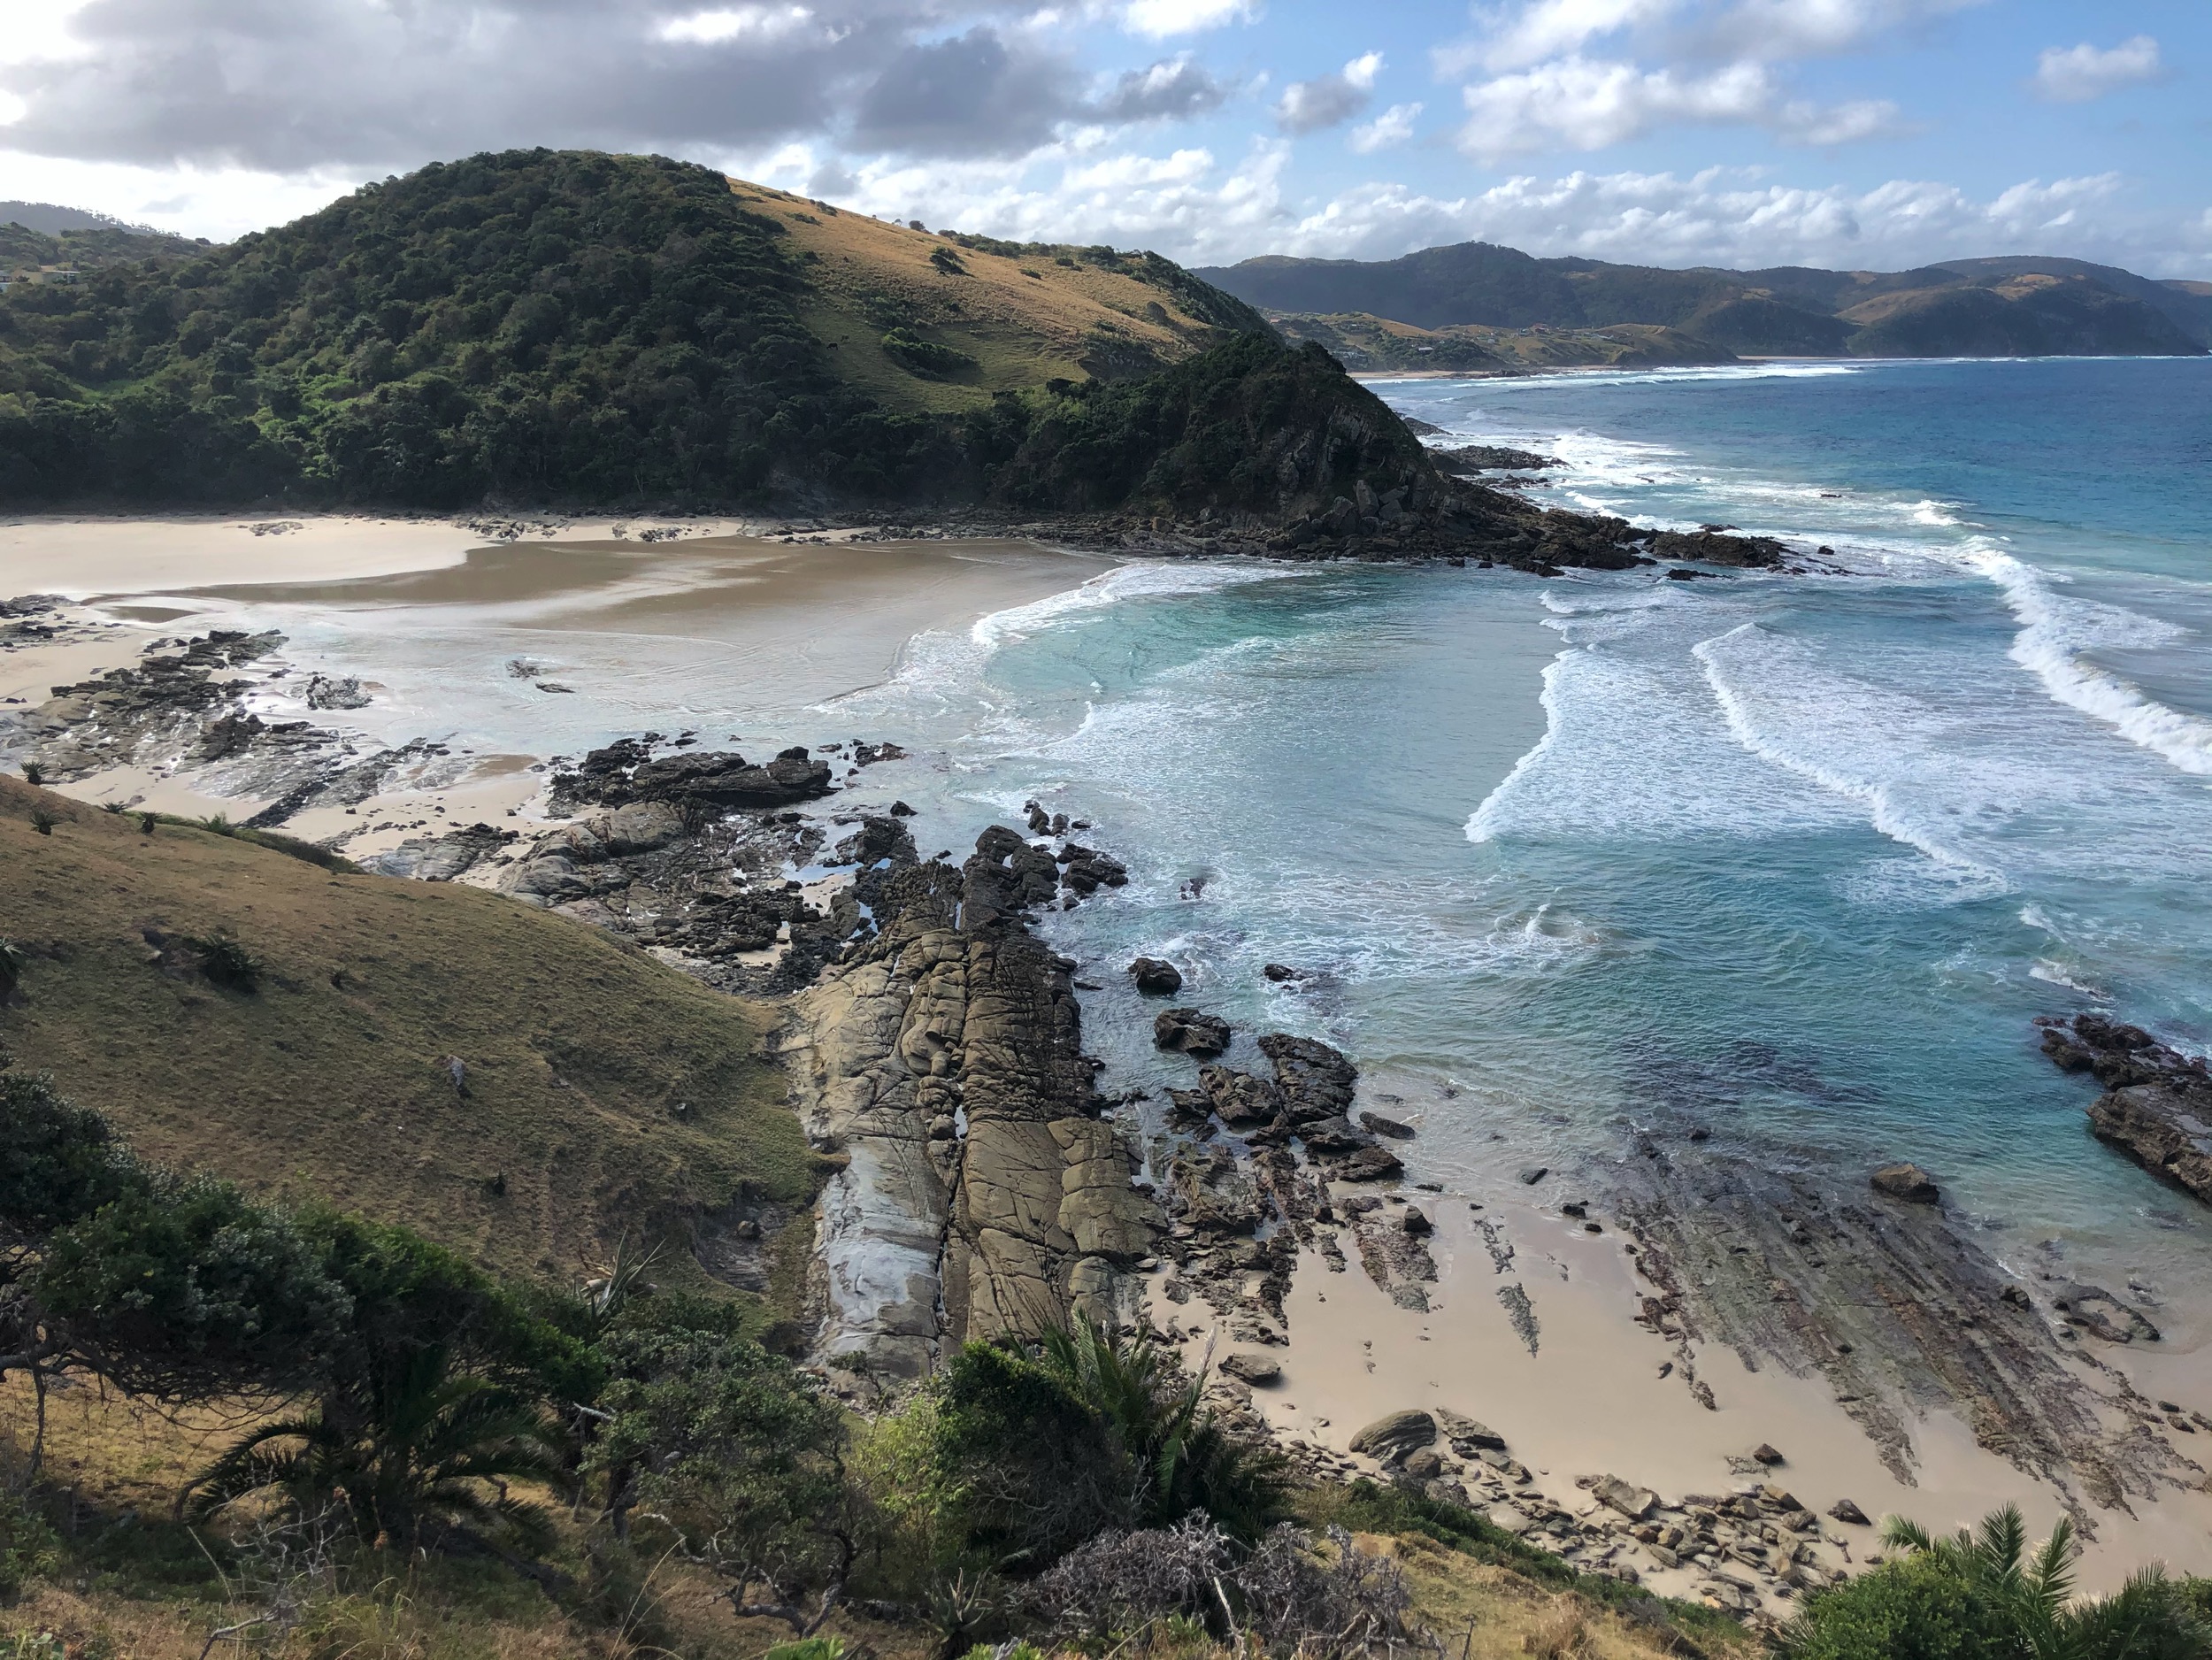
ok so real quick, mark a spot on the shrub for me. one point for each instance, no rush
(33, 773)
(42, 821)
(1986, 1596)
(28, 1547)
(146, 822)
(225, 962)
(924, 357)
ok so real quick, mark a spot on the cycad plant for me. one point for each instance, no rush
(1177, 1448)
(2033, 1593)
(426, 1445)
(1986, 1592)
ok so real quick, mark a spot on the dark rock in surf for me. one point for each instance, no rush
(1191, 1032)
(2157, 1104)
(1155, 978)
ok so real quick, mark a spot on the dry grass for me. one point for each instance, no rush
(329, 1083)
(1022, 329)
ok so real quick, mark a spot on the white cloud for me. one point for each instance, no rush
(1158, 18)
(1732, 217)
(1581, 103)
(1309, 106)
(1391, 127)
(1552, 28)
(733, 23)
(2075, 75)
(1586, 103)
(1778, 29)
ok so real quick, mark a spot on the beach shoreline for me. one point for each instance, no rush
(1599, 1395)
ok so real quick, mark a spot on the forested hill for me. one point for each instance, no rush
(559, 327)
(2005, 307)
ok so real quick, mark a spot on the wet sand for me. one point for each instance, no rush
(1594, 1400)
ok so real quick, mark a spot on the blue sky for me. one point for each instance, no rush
(1858, 132)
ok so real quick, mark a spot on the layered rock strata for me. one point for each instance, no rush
(2157, 1104)
(983, 1191)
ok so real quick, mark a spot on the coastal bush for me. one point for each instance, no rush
(225, 962)
(927, 357)
(1986, 1595)
(739, 1454)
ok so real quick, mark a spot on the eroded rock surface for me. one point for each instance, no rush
(984, 1192)
(2157, 1104)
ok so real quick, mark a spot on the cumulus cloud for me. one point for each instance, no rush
(1309, 106)
(1732, 217)
(1160, 19)
(1586, 104)
(1387, 130)
(1173, 89)
(1549, 87)
(2075, 75)
(370, 86)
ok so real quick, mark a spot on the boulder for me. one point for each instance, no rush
(1191, 1032)
(1631, 1501)
(1466, 1436)
(1391, 1127)
(1370, 1164)
(1390, 1440)
(1766, 1454)
(1843, 1510)
(1238, 1099)
(1908, 1182)
(1317, 1082)
(1155, 978)
(1425, 1465)
(1256, 1369)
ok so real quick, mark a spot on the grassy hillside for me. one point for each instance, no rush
(1367, 344)
(2015, 306)
(562, 325)
(603, 1092)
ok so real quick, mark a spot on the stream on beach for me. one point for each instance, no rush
(1795, 858)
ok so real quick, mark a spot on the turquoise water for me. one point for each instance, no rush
(1796, 858)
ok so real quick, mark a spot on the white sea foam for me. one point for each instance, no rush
(1785, 710)
(2056, 630)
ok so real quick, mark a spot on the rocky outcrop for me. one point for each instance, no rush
(628, 771)
(983, 1191)
(2157, 1104)
(1901, 1310)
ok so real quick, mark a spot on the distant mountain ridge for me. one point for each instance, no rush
(2009, 306)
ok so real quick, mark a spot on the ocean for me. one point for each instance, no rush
(1797, 858)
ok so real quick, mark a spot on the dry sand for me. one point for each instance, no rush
(80, 557)
(432, 611)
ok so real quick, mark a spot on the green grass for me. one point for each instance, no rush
(328, 1079)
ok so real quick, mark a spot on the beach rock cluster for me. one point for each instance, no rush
(176, 701)
(1743, 1551)
(983, 1190)
(628, 771)
(1250, 1166)
(2157, 1104)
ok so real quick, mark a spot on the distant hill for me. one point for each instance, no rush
(35, 234)
(1367, 344)
(2006, 307)
(555, 327)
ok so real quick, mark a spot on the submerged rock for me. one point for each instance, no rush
(1907, 1182)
